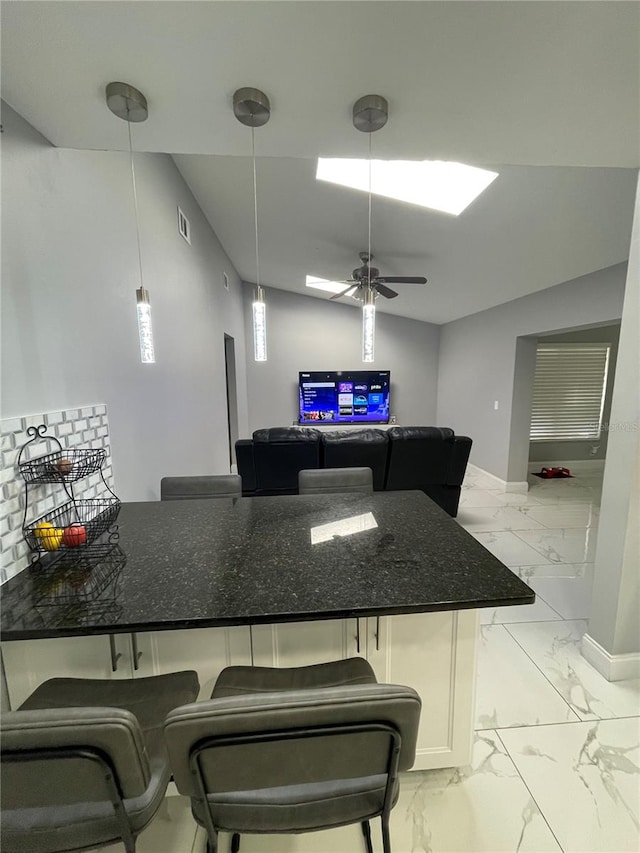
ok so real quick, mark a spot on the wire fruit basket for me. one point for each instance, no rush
(70, 465)
(73, 525)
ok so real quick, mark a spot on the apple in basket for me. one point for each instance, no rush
(74, 535)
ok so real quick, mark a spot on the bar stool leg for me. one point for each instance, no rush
(366, 831)
(386, 838)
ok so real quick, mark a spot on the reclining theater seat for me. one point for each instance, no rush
(362, 448)
(279, 454)
(431, 459)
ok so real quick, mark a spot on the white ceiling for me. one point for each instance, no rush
(531, 84)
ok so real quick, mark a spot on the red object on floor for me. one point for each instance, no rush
(549, 473)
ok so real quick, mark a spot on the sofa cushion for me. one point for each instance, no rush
(361, 448)
(418, 456)
(284, 435)
(279, 453)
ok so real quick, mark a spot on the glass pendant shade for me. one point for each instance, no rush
(368, 327)
(145, 329)
(259, 326)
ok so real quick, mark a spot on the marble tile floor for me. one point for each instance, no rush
(556, 760)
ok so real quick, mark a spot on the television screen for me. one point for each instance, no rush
(344, 397)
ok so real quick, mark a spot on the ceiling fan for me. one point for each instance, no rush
(366, 275)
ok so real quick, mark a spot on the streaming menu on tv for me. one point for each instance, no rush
(360, 396)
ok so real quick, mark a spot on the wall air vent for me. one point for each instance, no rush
(184, 227)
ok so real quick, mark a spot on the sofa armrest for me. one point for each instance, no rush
(459, 458)
(246, 465)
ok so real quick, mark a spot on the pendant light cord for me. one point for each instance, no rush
(255, 206)
(369, 264)
(135, 199)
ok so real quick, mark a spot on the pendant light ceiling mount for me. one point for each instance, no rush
(251, 107)
(127, 102)
(370, 113)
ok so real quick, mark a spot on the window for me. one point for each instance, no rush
(568, 391)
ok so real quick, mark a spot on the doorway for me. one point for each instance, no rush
(232, 397)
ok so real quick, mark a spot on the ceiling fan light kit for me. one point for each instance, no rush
(252, 108)
(129, 104)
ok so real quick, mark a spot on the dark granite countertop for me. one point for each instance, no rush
(182, 564)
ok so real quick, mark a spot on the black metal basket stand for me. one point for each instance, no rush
(72, 528)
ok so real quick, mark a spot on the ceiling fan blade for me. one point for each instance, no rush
(383, 290)
(345, 291)
(398, 279)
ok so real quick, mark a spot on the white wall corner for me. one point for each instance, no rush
(517, 486)
(612, 667)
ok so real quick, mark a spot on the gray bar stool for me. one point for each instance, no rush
(190, 488)
(294, 750)
(84, 762)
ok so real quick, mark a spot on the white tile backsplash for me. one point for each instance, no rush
(73, 428)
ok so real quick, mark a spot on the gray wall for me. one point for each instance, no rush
(613, 621)
(477, 364)
(304, 333)
(69, 329)
(557, 451)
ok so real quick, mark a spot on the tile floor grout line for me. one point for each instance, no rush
(544, 601)
(564, 723)
(515, 639)
(544, 817)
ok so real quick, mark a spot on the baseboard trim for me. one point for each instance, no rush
(503, 485)
(612, 667)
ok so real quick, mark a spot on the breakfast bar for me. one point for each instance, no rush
(271, 581)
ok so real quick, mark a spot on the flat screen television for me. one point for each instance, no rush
(344, 397)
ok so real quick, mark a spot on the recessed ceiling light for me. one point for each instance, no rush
(436, 184)
(323, 284)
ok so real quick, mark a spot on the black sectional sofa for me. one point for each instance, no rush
(431, 459)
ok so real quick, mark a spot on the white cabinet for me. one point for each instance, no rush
(435, 654)
(289, 644)
(206, 650)
(432, 652)
(28, 663)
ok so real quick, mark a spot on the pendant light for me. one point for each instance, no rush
(129, 104)
(370, 113)
(252, 108)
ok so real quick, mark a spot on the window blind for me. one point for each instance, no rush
(568, 391)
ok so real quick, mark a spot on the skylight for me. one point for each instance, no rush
(323, 284)
(436, 184)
